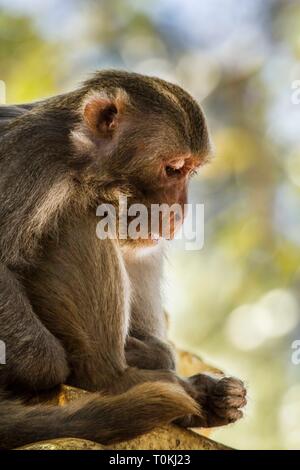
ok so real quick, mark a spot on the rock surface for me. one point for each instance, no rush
(163, 438)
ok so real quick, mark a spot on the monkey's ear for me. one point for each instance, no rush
(102, 112)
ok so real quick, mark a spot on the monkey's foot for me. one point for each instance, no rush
(220, 399)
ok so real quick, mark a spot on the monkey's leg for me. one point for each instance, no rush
(220, 397)
(35, 359)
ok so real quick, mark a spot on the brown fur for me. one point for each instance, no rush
(81, 310)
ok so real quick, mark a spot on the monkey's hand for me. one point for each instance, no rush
(149, 353)
(221, 399)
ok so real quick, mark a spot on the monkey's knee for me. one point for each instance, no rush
(40, 366)
(149, 353)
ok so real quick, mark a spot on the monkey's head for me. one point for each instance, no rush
(143, 138)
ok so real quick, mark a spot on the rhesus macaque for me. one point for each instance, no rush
(76, 309)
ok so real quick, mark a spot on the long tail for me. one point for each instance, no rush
(99, 418)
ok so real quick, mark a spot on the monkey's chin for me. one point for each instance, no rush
(144, 242)
(152, 241)
(141, 245)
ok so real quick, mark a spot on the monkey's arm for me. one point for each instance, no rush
(34, 357)
(147, 315)
(146, 346)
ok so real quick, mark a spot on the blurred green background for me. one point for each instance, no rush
(235, 302)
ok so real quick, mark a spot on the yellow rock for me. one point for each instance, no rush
(170, 438)
(163, 438)
(189, 364)
(64, 444)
